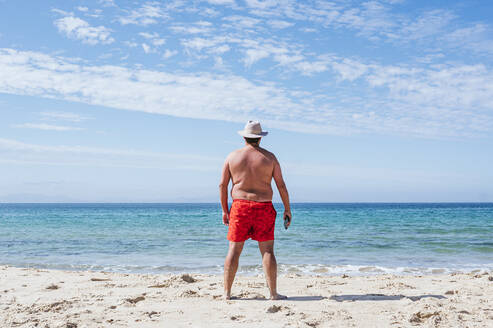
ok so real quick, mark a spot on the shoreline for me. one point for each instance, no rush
(253, 270)
(39, 297)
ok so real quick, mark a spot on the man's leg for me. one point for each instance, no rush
(231, 265)
(270, 267)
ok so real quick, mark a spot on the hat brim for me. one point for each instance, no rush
(251, 135)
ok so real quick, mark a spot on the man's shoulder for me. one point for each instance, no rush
(268, 151)
(268, 154)
(241, 152)
(234, 153)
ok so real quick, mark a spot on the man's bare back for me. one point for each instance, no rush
(252, 169)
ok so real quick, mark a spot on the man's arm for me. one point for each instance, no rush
(223, 191)
(283, 190)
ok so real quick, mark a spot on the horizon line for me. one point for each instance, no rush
(276, 202)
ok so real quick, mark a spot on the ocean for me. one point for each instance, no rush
(324, 239)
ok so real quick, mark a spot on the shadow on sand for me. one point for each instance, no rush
(290, 298)
(380, 297)
(306, 298)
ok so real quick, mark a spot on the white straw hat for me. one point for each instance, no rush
(252, 130)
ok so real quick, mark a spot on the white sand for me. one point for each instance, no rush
(49, 298)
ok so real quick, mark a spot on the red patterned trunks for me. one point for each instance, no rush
(249, 219)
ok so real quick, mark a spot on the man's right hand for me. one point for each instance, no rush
(225, 218)
(288, 213)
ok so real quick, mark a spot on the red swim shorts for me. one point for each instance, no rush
(249, 219)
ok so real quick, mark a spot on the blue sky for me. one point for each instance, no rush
(140, 101)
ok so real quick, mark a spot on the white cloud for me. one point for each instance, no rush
(279, 24)
(476, 38)
(221, 2)
(371, 19)
(219, 63)
(254, 55)
(464, 34)
(19, 152)
(131, 44)
(229, 97)
(284, 59)
(10, 144)
(308, 30)
(242, 22)
(154, 38)
(83, 9)
(209, 12)
(440, 101)
(203, 23)
(429, 24)
(220, 49)
(449, 86)
(261, 4)
(354, 94)
(148, 13)
(169, 53)
(108, 3)
(349, 69)
(146, 48)
(61, 12)
(158, 42)
(76, 28)
(309, 68)
(43, 126)
(252, 49)
(377, 20)
(64, 116)
(191, 29)
(200, 43)
(147, 35)
(429, 58)
(197, 27)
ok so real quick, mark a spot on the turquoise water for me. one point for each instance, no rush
(323, 239)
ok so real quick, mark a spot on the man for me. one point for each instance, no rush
(252, 215)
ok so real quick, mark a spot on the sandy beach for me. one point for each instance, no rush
(48, 298)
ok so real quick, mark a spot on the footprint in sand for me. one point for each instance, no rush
(188, 278)
(275, 308)
(189, 293)
(52, 287)
(100, 279)
(135, 300)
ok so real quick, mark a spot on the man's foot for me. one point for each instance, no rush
(227, 297)
(278, 297)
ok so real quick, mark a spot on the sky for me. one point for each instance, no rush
(141, 101)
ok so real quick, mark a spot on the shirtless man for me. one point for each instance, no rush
(252, 215)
